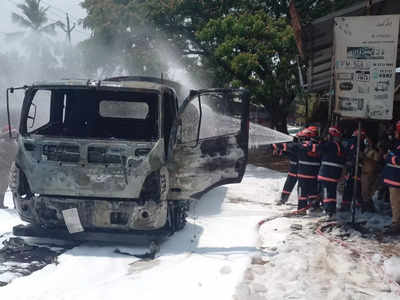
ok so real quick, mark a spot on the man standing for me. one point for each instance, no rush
(351, 151)
(332, 163)
(309, 164)
(391, 177)
(291, 179)
(307, 169)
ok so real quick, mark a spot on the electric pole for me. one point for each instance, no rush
(68, 29)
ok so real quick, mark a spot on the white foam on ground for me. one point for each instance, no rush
(210, 258)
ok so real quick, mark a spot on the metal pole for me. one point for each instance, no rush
(332, 79)
(302, 92)
(68, 30)
(306, 117)
(8, 114)
(300, 73)
(353, 201)
(331, 89)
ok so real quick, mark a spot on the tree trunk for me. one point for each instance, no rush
(279, 122)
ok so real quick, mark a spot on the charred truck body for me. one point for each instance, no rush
(121, 155)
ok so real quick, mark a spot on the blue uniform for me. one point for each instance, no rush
(391, 171)
(332, 163)
(307, 168)
(291, 179)
(350, 154)
(307, 172)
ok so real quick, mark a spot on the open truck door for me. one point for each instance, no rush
(209, 142)
(8, 135)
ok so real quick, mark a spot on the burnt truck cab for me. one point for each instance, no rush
(122, 155)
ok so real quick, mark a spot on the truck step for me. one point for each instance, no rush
(132, 238)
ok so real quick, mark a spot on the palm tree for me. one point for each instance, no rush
(34, 17)
(35, 39)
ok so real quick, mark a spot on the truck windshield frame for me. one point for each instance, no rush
(75, 113)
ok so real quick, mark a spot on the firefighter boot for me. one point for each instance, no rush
(302, 207)
(283, 200)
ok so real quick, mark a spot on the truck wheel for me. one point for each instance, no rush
(12, 178)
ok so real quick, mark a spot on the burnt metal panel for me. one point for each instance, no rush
(96, 213)
(101, 168)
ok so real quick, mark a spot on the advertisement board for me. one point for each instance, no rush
(365, 66)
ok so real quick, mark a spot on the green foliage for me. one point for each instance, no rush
(119, 24)
(122, 36)
(239, 43)
(258, 52)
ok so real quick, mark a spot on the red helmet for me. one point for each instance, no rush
(334, 131)
(313, 128)
(355, 133)
(305, 132)
(398, 126)
(309, 133)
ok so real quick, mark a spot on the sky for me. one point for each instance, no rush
(57, 10)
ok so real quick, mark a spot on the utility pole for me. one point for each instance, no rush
(68, 29)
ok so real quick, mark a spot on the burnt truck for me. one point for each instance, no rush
(123, 155)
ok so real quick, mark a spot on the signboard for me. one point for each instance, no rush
(365, 65)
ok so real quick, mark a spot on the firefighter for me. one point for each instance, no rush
(350, 152)
(308, 167)
(291, 179)
(391, 177)
(332, 162)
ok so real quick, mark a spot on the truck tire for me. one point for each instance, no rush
(12, 178)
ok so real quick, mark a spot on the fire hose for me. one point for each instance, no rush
(284, 215)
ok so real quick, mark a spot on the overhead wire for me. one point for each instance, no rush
(61, 10)
(58, 15)
(77, 20)
(73, 18)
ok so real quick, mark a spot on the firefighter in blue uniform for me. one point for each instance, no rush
(332, 163)
(307, 168)
(309, 164)
(391, 177)
(291, 179)
(350, 153)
